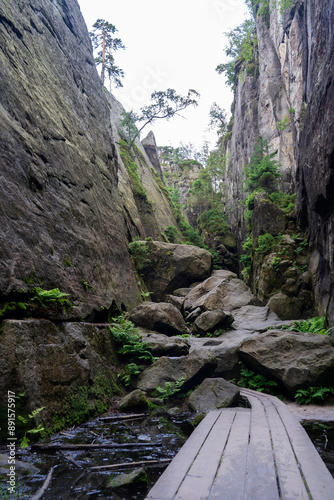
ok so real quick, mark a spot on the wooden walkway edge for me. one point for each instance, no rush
(257, 453)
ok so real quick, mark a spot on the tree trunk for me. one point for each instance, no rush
(103, 55)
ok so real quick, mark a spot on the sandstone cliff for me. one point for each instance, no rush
(67, 208)
(289, 101)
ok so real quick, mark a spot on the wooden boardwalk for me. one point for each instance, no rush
(257, 453)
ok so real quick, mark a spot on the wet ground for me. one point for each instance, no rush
(72, 477)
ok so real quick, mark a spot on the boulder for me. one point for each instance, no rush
(162, 316)
(172, 266)
(134, 401)
(210, 321)
(256, 318)
(21, 468)
(181, 292)
(135, 477)
(69, 368)
(225, 350)
(296, 360)
(223, 290)
(194, 368)
(162, 345)
(212, 394)
(175, 301)
(286, 307)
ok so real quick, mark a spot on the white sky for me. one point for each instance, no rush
(175, 44)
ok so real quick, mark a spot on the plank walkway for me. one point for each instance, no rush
(257, 453)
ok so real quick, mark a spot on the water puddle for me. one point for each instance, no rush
(322, 436)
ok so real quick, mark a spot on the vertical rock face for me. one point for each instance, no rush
(294, 86)
(65, 221)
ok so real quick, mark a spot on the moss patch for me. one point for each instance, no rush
(86, 402)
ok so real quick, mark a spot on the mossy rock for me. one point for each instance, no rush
(136, 477)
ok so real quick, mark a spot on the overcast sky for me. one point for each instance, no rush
(175, 44)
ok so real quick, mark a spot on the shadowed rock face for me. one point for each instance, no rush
(61, 214)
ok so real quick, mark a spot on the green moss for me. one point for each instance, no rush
(86, 402)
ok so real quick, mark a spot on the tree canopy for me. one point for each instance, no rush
(103, 41)
(165, 104)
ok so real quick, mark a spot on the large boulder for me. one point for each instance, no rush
(162, 345)
(255, 318)
(170, 266)
(161, 316)
(223, 290)
(296, 360)
(210, 321)
(286, 307)
(69, 368)
(212, 394)
(194, 368)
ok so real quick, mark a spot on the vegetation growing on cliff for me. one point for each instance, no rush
(164, 105)
(243, 51)
(102, 38)
(263, 170)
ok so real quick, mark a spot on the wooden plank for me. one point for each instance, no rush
(198, 482)
(318, 478)
(290, 479)
(167, 485)
(261, 480)
(230, 480)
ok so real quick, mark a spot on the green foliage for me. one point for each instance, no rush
(242, 50)
(35, 302)
(313, 395)
(102, 39)
(215, 222)
(190, 234)
(266, 243)
(170, 389)
(285, 201)
(313, 325)
(36, 430)
(165, 104)
(128, 124)
(139, 251)
(246, 258)
(173, 235)
(129, 341)
(129, 372)
(283, 124)
(255, 381)
(262, 171)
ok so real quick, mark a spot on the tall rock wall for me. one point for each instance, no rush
(66, 213)
(294, 85)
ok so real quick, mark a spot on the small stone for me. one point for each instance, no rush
(137, 476)
(135, 400)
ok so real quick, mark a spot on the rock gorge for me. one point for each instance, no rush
(73, 195)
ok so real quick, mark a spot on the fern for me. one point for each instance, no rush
(313, 394)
